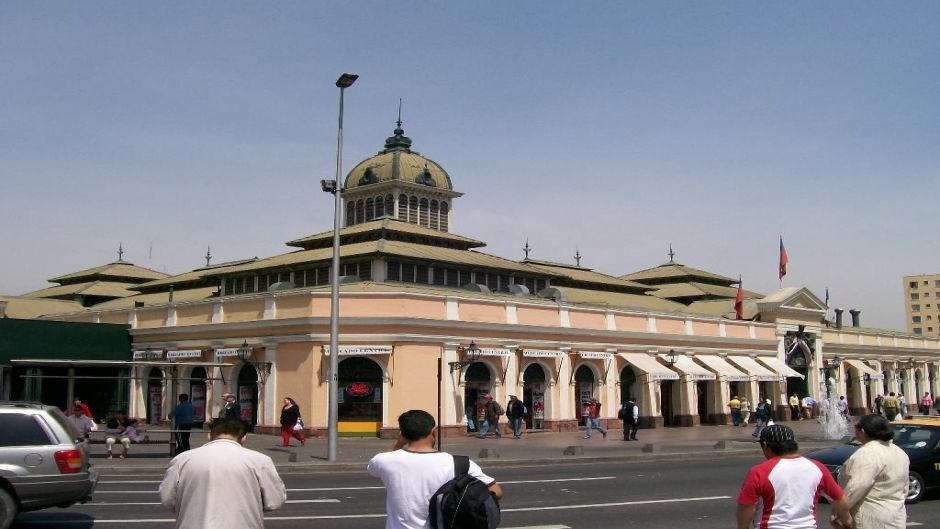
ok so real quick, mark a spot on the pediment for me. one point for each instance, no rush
(793, 299)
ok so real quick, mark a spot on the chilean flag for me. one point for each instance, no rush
(739, 302)
(783, 260)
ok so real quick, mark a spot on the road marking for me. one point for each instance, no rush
(121, 504)
(539, 527)
(555, 480)
(613, 504)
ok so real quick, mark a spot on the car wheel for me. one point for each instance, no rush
(915, 488)
(8, 509)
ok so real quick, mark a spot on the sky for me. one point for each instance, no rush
(613, 129)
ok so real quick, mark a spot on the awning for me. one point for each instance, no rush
(777, 365)
(687, 367)
(864, 369)
(750, 366)
(723, 368)
(650, 366)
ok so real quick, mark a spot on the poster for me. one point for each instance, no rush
(538, 402)
(156, 403)
(246, 397)
(198, 397)
(585, 393)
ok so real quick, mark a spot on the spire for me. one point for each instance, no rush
(398, 141)
(527, 248)
(577, 257)
(208, 254)
(120, 252)
(671, 254)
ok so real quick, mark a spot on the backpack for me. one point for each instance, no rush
(463, 502)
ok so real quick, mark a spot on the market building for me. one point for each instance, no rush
(428, 320)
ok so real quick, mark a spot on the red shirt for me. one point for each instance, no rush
(786, 490)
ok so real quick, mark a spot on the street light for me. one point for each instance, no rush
(345, 81)
(672, 357)
(471, 355)
(244, 353)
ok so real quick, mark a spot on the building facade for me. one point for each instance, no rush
(921, 299)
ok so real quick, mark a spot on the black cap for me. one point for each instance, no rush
(777, 433)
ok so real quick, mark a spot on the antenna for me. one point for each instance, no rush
(120, 251)
(208, 254)
(577, 257)
(671, 253)
(399, 113)
(527, 248)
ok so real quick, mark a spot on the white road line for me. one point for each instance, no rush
(540, 527)
(554, 480)
(348, 516)
(122, 504)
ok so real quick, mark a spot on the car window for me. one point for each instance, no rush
(911, 437)
(21, 430)
(63, 421)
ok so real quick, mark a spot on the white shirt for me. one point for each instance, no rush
(221, 485)
(410, 479)
(875, 483)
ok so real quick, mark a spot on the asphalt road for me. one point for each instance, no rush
(652, 495)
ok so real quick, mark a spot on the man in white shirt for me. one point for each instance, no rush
(413, 471)
(222, 484)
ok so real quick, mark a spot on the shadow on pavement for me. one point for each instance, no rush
(53, 520)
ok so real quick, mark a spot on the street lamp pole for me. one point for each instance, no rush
(345, 81)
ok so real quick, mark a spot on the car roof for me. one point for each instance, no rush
(22, 404)
(920, 421)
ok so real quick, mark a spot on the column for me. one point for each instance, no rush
(451, 392)
(270, 406)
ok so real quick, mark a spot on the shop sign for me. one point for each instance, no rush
(536, 353)
(189, 353)
(359, 350)
(359, 389)
(596, 356)
(232, 351)
(148, 355)
(486, 351)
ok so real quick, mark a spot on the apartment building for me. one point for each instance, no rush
(921, 298)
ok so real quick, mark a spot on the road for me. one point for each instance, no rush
(652, 495)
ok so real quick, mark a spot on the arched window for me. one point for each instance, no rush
(379, 207)
(389, 206)
(413, 210)
(350, 213)
(369, 209)
(360, 214)
(444, 216)
(403, 208)
(435, 213)
(423, 213)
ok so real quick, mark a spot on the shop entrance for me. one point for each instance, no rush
(666, 402)
(197, 395)
(248, 394)
(154, 395)
(702, 399)
(477, 385)
(584, 391)
(360, 397)
(798, 363)
(533, 395)
(627, 383)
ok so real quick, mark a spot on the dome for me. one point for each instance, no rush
(398, 162)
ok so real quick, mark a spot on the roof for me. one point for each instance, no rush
(157, 298)
(693, 289)
(192, 278)
(107, 289)
(29, 308)
(619, 299)
(585, 275)
(382, 227)
(397, 162)
(673, 270)
(117, 269)
(722, 307)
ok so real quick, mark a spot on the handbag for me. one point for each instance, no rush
(299, 425)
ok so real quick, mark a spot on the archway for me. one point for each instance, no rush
(584, 391)
(799, 363)
(247, 394)
(197, 394)
(154, 395)
(533, 395)
(666, 406)
(478, 384)
(360, 398)
(627, 383)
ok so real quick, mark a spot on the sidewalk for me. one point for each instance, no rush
(532, 448)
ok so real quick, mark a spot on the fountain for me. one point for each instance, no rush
(832, 423)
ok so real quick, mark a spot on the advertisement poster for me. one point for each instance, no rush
(538, 405)
(156, 404)
(198, 397)
(246, 396)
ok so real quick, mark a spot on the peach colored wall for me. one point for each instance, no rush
(148, 319)
(736, 331)
(587, 320)
(194, 315)
(414, 382)
(114, 317)
(547, 316)
(244, 310)
(293, 306)
(765, 333)
(485, 312)
(703, 328)
(631, 323)
(670, 326)
(869, 340)
(392, 307)
(297, 378)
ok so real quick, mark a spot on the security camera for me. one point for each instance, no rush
(328, 186)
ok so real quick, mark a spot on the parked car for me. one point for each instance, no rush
(918, 437)
(43, 462)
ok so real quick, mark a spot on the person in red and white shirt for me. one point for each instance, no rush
(782, 492)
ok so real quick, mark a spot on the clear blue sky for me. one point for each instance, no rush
(613, 128)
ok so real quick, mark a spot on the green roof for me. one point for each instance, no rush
(59, 340)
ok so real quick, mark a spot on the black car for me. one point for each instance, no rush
(918, 437)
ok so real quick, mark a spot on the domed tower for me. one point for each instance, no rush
(399, 183)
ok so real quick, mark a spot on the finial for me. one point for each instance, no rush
(577, 257)
(208, 254)
(526, 248)
(120, 252)
(671, 254)
(399, 113)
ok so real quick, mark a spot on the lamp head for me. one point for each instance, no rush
(346, 80)
(328, 186)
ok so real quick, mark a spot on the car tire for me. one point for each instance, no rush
(8, 509)
(915, 488)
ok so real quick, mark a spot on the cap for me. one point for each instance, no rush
(489, 397)
(776, 433)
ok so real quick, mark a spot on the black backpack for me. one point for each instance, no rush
(463, 502)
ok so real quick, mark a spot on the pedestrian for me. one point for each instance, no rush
(902, 402)
(593, 419)
(222, 483)
(843, 407)
(413, 470)
(85, 409)
(630, 415)
(926, 402)
(787, 487)
(875, 477)
(809, 407)
(81, 422)
(231, 410)
(182, 415)
(470, 410)
(735, 405)
(515, 412)
(892, 406)
(794, 408)
(936, 405)
(116, 431)
(745, 411)
(492, 410)
(878, 400)
(290, 416)
(761, 416)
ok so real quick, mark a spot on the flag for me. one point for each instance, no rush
(739, 302)
(827, 297)
(783, 260)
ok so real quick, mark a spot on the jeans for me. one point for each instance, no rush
(761, 423)
(593, 423)
(629, 431)
(735, 416)
(486, 425)
(516, 425)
